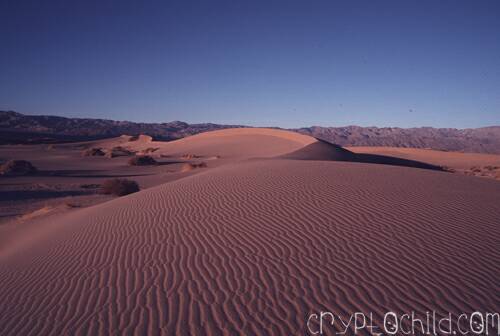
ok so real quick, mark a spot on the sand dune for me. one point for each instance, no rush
(252, 247)
(245, 143)
(241, 143)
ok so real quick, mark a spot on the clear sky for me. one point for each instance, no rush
(268, 63)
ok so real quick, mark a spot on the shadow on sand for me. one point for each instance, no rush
(20, 195)
(325, 151)
(82, 174)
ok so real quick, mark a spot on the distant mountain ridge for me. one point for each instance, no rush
(475, 140)
(19, 128)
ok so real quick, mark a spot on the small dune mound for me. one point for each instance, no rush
(119, 187)
(17, 168)
(142, 160)
(93, 152)
(118, 151)
(190, 166)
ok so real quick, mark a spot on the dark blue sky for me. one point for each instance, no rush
(269, 63)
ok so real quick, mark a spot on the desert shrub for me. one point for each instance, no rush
(17, 168)
(142, 160)
(119, 187)
(71, 205)
(190, 166)
(90, 186)
(491, 167)
(118, 151)
(149, 150)
(93, 152)
(475, 169)
(449, 169)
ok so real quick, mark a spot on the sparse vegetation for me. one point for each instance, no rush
(449, 169)
(491, 168)
(489, 171)
(190, 166)
(72, 205)
(142, 160)
(90, 186)
(118, 151)
(119, 187)
(475, 169)
(17, 168)
(93, 152)
(149, 150)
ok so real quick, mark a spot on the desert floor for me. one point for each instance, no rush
(277, 226)
(473, 164)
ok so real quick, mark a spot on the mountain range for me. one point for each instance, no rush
(20, 128)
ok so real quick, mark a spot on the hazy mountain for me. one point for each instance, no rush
(19, 128)
(480, 140)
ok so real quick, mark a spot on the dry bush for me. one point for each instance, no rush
(119, 187)
(491, 167)
(475, 169)
(149, 150)
(449, 169)
(118, 151)
(142, 160)
(93, 152)
(190, 166)
(133, 138)
(17, 168)
(90, 186)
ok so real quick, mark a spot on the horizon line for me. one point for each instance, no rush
(241, 124)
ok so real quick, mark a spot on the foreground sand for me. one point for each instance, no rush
(253, 246)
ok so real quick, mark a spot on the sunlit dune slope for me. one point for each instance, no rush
(253, 248)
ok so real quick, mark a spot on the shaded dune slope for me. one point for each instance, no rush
(322, 150)
(255, 248)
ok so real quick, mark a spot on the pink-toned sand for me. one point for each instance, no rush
(478, 164)
(254, 245)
